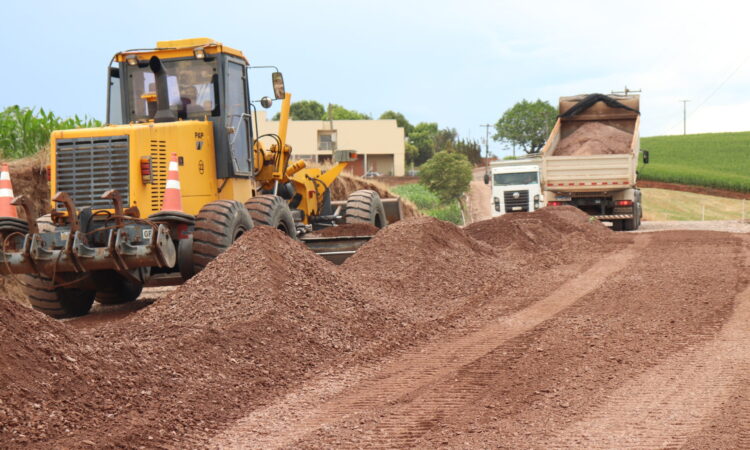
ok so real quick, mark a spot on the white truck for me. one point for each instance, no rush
(591, 156)
(515, 186)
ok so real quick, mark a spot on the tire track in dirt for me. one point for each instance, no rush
(673, 402)
(288, 422)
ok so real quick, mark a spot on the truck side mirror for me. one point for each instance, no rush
(645, 156)
(278, 85)
(486, 178)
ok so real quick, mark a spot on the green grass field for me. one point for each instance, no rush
(663, 204)
(719, 160)
(428, 203)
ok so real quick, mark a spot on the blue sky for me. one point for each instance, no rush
(457, 63)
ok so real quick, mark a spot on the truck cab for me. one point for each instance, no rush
(515, 186)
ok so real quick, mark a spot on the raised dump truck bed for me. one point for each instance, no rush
(591, 156)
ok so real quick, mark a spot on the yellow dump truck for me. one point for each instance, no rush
(111, 231)
(590, 158)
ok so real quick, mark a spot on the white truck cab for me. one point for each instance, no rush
(515, 186)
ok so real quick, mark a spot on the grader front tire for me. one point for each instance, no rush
(56, 302)
(217, 226)
(113, 289)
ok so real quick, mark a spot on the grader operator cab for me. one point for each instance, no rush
(183, 107)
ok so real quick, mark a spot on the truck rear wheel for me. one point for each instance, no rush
(365, 206)
(217, 226)
(635, 222)
(272, 211)
(56, 302)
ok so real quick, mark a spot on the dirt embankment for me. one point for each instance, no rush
(257, 322)
(29, 178)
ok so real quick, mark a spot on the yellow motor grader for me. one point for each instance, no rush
(108, 234)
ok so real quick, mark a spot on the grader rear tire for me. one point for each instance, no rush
(272, 211)
(365, 206)
(56, 302)
(217, 226)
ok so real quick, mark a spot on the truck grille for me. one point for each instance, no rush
(513, 204)
(88, 167)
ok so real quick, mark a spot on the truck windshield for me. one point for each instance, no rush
(508, 179)
(192, 86)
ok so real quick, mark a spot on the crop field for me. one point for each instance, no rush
(718, 160)
(25, 131)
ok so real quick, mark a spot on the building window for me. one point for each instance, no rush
(326, 140)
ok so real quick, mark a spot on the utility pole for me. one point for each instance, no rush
(487, 141)
(684, 116)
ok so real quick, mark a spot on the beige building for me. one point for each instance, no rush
(379, 143)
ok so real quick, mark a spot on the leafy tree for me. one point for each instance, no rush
(338, 112)
(445, 139)
(471, 149)
(400, 121)
(526, 125)
(423, 137)
(411, 151)
(305, 110)
(447, 174)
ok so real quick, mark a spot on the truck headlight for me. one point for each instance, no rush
(497, 204)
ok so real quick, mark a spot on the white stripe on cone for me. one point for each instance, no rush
(6, 192)
(173, 167)
(173, 184)
(5, 176)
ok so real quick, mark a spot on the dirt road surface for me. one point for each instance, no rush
(429, 337)
(480, 197)
(647, 348)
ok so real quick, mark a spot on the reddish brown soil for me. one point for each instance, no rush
(348, 229)
(695, 189)
(529, 330)
(595, 138)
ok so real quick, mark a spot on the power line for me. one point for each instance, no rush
(720, 85)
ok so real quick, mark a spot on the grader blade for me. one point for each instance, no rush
(335, 249)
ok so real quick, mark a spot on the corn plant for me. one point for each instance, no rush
(24, 131)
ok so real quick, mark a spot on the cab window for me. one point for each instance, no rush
(191, 84)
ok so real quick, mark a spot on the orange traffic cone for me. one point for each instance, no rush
(6, 194)
(172, 194)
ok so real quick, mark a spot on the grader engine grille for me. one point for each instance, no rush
(88, 167)
(159, 170)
